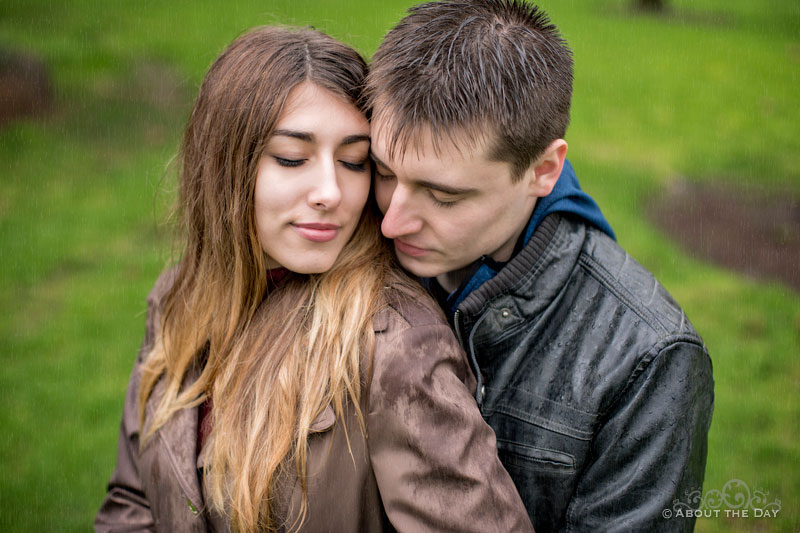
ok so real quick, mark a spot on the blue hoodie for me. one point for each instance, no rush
(566, 197)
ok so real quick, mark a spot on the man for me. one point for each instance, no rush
(597, 386)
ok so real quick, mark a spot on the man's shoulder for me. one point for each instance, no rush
(623, 281)
(591, 315)
(585, 352)
(618, 319)
(579, 270)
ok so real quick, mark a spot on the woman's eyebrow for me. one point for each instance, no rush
(352, 139)
(302, 135)
(310, 138)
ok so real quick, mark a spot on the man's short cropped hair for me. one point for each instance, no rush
(474, 72)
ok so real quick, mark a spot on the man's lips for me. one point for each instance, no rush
(409, 249)
(317, 232)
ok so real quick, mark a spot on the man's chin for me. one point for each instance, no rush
(417, 267)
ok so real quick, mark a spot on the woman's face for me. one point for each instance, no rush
(313, 180)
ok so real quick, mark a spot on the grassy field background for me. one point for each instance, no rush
(707, 92)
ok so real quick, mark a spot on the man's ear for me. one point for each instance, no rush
(544, 172)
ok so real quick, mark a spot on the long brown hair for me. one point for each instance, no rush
(272, 361)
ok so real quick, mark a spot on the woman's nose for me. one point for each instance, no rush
(325, 193)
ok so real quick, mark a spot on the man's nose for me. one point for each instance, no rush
(400, 218)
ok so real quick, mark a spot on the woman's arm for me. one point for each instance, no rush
(125, 507)
(435, 459)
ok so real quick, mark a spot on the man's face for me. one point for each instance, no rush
(446, 210)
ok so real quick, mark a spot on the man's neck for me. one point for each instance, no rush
(450, 281)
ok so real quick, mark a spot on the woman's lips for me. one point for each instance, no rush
(409, 249)
(317, 232)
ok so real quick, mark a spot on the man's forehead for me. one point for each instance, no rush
(446, 169)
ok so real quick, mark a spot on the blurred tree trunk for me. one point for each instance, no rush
(651, 5)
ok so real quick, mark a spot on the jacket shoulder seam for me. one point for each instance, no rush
(647, 358)
(598, 272)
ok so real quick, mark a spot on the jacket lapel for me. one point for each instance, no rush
(178, 438)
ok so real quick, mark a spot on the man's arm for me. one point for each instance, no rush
(651, 448)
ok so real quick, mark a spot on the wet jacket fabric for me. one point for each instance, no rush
(429, 462)
(598, 388)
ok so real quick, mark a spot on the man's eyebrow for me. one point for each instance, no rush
(444, 188)
(377, 160)
(428, 184)
(447, 189)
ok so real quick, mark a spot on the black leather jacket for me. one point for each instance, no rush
(599, 389)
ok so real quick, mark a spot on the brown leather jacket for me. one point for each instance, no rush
(429, 462)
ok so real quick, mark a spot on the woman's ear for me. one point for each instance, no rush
(543, 173)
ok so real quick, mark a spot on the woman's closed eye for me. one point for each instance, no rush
(286, 162)
(355, 167)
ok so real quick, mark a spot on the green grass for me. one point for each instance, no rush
(707, 92)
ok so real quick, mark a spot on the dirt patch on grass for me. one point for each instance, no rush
(25, 87)
(747, 231)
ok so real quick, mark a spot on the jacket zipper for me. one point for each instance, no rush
(480, 390)
(457, 327)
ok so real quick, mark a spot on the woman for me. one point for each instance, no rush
(291, 377)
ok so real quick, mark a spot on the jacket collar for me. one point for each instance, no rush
(536, 275)
(566, 198)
